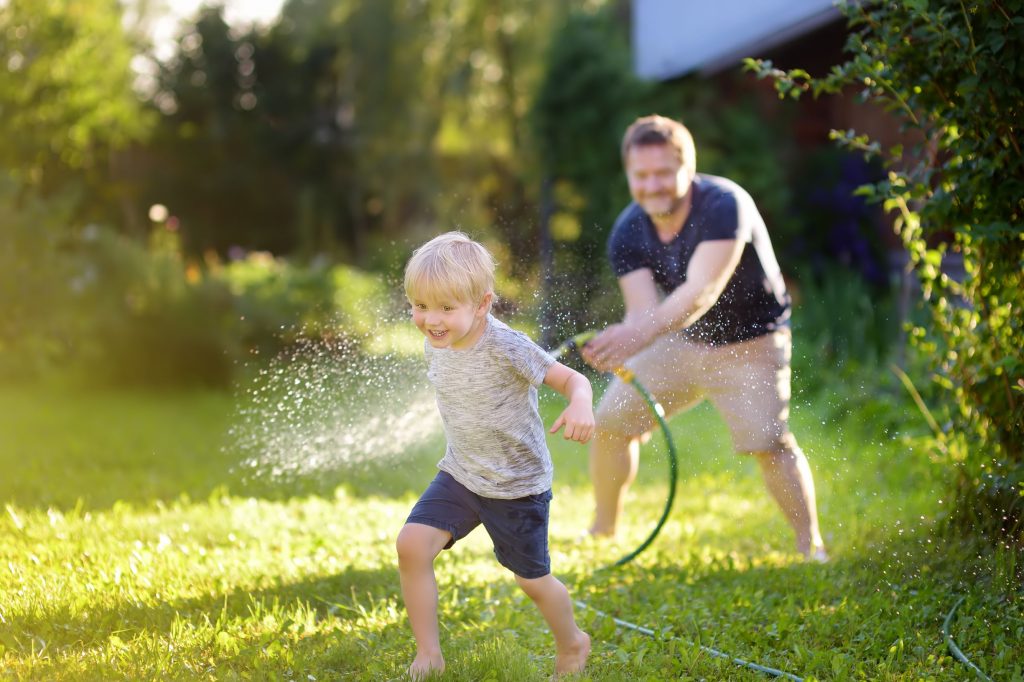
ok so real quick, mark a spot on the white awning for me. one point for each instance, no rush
(675, 37)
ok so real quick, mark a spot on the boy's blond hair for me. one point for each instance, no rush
(450, 267)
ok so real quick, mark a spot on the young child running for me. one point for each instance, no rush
(496, 469)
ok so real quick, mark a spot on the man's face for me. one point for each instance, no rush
(657, 178)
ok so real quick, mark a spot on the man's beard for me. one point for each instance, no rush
(674, 203)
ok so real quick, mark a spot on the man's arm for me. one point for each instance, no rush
(639, 294)
(712, 265)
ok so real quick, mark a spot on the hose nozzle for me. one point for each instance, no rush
(574, 343)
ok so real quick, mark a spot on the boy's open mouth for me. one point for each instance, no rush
(438, 334)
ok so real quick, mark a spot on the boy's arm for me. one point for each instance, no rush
(578, 416)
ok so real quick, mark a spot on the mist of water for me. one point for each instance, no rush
(325, 406)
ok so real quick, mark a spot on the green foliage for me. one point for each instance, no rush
(136, 312)
(217, 159)
(586, 99)
(348, 125)
(66, 99)
(155, 320)
(122, 310)
(277, 302)
(578, 119)
(37, 279)
(844, 324)
(951, 71)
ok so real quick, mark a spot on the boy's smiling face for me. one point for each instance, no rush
(450, 324)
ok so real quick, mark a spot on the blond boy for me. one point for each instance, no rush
(496, 469)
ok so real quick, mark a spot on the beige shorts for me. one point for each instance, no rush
(747, 382)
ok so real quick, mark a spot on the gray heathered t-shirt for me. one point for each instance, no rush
(487, 397)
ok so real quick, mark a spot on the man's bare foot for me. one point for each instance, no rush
(596, 531)
(816, 555)
(426, 665)
(813, 553)
(573, 659)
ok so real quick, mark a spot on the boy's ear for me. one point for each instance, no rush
(485, 305)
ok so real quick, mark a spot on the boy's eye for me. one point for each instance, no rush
(447, 308)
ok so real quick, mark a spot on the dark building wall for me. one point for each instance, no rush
(817, 52)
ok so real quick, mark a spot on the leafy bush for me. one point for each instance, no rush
(951, 70)
(278, 302)
(275, 302)
(154, 318)
(36, 283)
(138, 312)
(845, 321)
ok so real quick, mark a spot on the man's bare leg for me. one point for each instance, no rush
(572, 645)
(787, 476)
(614, 460)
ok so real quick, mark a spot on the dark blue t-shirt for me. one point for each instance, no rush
(754, 301)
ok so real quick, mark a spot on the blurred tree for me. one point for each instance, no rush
(349, 124)
(430, 98)
(496, 66)
(211, 162)
(66, 98)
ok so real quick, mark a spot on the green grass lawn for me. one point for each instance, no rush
(134, 546)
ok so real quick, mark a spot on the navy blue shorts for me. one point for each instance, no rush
(518, 528)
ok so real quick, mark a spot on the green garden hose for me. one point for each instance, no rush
(575, 343)
(959, 655)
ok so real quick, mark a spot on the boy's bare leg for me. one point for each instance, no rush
(614, 459)
(418, 545)
(787, 476)
(572, 645)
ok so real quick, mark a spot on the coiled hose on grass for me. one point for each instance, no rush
(575, 343)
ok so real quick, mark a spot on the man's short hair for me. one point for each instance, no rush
(660, 130)
(450, 267)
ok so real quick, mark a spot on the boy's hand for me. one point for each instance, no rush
(578, 420)
(578, 417)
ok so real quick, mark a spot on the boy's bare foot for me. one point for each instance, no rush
(425, 665)
(573, 659)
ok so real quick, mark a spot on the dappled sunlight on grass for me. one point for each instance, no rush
(170, 568)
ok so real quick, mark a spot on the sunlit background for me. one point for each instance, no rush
(213, 414)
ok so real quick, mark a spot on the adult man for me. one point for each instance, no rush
(717, 330)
